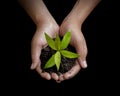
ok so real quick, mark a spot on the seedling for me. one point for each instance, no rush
(60, 47)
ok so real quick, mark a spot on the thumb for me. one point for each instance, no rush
(83, 63)
(35, 54)
(82, 50)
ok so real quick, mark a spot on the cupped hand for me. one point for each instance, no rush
(77, 41)
(39, 42)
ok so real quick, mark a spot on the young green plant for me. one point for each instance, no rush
(60, 47)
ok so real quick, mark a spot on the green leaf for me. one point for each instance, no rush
(50, 41)
(50, 62)
(57, 42)
(66, 40)
(69, 54)
(57, 59)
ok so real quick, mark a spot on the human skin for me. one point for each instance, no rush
(46, 23)
(73, 22)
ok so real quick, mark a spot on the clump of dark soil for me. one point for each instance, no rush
(66, 63)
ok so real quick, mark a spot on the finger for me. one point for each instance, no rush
(82, 50)
(35, 54)
(54, 76)
(43, 74)
(72, 72)
(82, 63)
(60, 79)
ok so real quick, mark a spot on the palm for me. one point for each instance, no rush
(39, 42)
(79, 43)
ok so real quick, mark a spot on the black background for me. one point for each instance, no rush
(99, 29)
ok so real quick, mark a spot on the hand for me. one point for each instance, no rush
(77, 41)
(73, 22)
(39, 42)
(44, 21)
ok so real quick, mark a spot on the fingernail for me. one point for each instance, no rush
(32, 66)
(85, 64)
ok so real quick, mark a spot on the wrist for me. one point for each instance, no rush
(48, 24)
(46, 21)
(72, 19)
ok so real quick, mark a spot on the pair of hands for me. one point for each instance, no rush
(46, 23)
(51, 27)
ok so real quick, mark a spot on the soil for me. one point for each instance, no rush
(66, 63)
